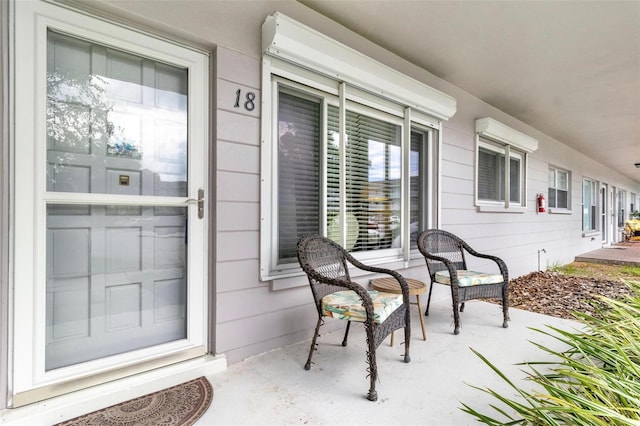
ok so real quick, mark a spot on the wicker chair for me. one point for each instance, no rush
(445, 257)
(327, 267)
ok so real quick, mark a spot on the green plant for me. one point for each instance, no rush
(595, 381)
(631, 270)
(568, 269)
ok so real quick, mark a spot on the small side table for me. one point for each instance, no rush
(416, 288)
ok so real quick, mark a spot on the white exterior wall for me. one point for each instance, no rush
(251, 317)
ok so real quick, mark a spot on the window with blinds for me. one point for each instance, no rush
(494, 180)
(621, 207)
(558, 188)
(351, 190)
(589, 200)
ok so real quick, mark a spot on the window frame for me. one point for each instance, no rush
(35, 19)
(505, 151)
(556, 209)
(351, 99)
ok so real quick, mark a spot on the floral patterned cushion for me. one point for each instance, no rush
(347, 305)
(469, 278)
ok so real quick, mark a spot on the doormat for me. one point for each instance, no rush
(180, 405)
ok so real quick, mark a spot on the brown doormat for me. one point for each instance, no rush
(179, 405)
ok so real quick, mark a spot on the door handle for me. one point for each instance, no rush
(200, 202)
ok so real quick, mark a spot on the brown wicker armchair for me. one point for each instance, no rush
(445, 257)
(336, 295)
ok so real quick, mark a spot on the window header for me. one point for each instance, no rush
(492, 129)
(289, 40)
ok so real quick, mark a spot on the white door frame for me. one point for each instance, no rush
(32, 19)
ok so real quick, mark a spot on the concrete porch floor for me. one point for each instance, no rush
(274, 389)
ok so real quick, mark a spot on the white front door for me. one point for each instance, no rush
(118, 272)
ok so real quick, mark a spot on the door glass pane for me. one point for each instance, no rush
(116, 122)
(115, 283)
(116, 274)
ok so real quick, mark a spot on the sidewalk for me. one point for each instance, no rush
(624, 253)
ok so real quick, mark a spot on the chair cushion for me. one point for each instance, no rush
(468, 278)
(347, 305)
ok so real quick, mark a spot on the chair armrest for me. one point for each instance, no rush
(501, 264)
(404, 287)
(362, 292)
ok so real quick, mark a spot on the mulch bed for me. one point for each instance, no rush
(559, 295)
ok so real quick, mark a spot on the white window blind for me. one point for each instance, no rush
(298, 171)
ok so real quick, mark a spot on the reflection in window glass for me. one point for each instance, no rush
(114, 283)
(116, 122)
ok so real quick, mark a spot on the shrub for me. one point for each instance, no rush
(595, 381)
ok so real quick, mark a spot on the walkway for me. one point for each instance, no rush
(626, 253)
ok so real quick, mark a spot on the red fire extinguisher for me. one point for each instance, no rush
(541, 204)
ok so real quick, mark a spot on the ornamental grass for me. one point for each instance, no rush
(594, 381)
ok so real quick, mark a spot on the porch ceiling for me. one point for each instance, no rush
(570, 69)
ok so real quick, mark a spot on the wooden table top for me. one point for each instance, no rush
(390, 285)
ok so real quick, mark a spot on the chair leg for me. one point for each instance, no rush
(505, 308)
(407, 335)
(373, 368)
(456, 314)
(426, 312)
(307, 366)
(346, 334)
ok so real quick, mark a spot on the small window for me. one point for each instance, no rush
(621, 207)
(558, 188)
(589, 199)
(501, 168)
(496, 177)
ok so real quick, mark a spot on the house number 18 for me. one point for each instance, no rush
(249, 101)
